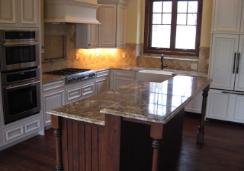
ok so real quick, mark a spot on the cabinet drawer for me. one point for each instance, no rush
(74, 94)
(104, 73)
(32, 126)
(53, 85)
(88, 90)
(14, 133)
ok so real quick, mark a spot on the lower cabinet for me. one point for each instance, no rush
(225, 106)
(102, 81)
(57, 94)
(239, 109)
(80, 90)
(52, 97)
(52, 100)
(17, 131)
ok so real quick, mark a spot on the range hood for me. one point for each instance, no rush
(70, 11)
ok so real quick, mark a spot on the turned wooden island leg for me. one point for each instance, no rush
(200, 133)
(56, 124)
(156, 133)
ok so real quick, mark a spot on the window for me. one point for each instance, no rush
(173, 26)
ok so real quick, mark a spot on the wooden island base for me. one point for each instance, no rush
(121, 145)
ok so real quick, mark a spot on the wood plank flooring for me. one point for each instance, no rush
(223, 150)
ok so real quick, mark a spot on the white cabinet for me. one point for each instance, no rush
(20, 13)
(227, 15)
(121, 25)
(29, 12)
(222, 69)
(239, 112)
(226, 106)
(219, 105)
(53, 97)
(121, 78)
(107, 28)
(226, 61)
(20, 130)
(239, 82)
(86, 36)
(112, 30)
(111, 33)
(80, 90)
(7, 11)
(102, 81)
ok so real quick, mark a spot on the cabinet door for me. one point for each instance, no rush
(51, 101)
(7, 11)
(92, 36)
(29, 12)
(107, 28)
(121, 25)
(242, 19)
(227, 15)
(220, 105)
(102, 84)
(239, 109)
(239, 84)
(224, 48)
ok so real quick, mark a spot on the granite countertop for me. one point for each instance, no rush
(145, 101)
(47, 78)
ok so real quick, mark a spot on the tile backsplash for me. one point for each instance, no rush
(122, 57)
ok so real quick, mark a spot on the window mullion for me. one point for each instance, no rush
(173, 27)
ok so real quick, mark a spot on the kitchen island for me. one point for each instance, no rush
(138, 127)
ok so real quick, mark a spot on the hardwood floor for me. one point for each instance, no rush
(223, 150)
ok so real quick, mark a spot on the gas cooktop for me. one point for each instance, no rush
(67, 71)
(74, 74)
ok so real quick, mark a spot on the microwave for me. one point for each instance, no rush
(19, 50)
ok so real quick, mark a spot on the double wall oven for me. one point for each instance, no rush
(20, 74)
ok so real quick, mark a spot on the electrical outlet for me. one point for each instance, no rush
(194, 67)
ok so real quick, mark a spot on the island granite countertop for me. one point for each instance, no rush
(144, 101)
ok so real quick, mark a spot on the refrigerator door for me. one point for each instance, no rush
(239, 83)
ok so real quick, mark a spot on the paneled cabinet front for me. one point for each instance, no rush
(219, 105)
(8, 11)
(53, 96)
(20, 13)
(223, 61)
(227, 16)
(52, 100)
(29, 12)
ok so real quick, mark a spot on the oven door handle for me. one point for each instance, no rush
(21, 85)
(20, 44)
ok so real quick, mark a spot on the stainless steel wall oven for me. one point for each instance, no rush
(21, 94)
(20, 74)
(19, 50)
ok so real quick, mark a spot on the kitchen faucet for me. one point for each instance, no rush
(162, 62)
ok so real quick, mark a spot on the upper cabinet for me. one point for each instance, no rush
(227, 15)
(20, 13)
(107, 28)
(86, 36)
(7, 12)
(29, 12)
(111, 31)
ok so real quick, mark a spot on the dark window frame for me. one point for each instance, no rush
(171, 51)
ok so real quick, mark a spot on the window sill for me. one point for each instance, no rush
(171, 57)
